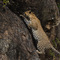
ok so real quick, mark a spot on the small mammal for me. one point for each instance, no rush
(34, 23)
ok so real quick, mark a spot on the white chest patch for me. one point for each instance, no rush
(35, 34)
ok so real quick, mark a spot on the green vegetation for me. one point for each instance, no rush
(51, 53)
(58, 41)
(54, 43)
(58, 4)
(5, 2)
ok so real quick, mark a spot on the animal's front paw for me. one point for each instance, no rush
(39, 52)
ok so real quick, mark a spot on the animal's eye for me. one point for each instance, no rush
(29, 11)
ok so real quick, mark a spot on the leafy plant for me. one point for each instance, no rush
(58, 41)
(58, 4)
(51, 53)
(54, 43)
(5, 2)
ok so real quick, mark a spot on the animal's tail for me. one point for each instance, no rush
(56, 51)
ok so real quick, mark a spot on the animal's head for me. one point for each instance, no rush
(30, 19)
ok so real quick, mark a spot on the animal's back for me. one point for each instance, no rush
(43, 40)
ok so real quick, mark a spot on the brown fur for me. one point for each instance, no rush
(38, 32)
